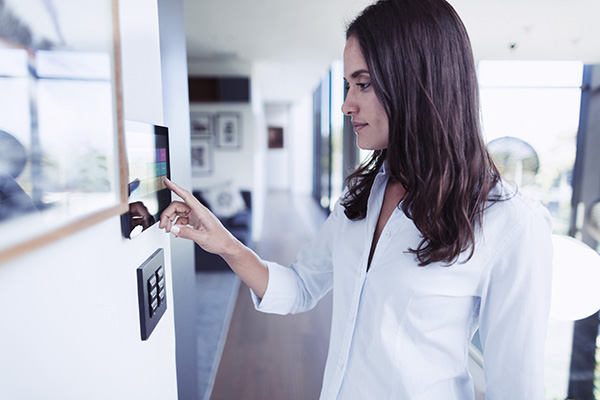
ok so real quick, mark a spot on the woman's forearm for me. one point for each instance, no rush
(246, 264)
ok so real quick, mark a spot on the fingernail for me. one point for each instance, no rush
(175, 230)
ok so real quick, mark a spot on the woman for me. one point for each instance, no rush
(427, 244)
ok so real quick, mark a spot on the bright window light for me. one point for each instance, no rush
(536, 104)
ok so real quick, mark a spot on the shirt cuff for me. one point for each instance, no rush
(280, 296)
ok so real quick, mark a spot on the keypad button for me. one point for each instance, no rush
(153, 307)
(151, 282)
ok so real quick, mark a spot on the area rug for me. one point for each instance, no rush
(216, 295)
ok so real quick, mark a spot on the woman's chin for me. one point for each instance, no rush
(369, 146)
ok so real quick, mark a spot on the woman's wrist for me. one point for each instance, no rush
(233, 250)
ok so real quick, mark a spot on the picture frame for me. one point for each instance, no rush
(201, 123)
(228, 130)
(65, 117)
(202, 155)
(275, 137)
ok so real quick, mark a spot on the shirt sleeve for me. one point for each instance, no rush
(300, 286)
(515, 305)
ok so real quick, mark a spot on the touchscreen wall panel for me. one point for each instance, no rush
(148, 161)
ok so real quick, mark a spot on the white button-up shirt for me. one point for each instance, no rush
(400, 331)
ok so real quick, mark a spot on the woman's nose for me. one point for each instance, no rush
(349, 107)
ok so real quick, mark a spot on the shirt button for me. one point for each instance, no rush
(387, 233)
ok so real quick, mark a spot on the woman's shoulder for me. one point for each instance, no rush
(509, 208)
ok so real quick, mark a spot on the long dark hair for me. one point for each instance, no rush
(422, 70)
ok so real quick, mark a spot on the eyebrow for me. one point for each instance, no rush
(358, 73)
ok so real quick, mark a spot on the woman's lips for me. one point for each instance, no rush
(358, 126)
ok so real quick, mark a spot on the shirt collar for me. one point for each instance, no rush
(382, 170)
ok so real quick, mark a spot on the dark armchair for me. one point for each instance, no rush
(238, 223)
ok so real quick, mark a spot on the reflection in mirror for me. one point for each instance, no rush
(14, 201)
(57, 113)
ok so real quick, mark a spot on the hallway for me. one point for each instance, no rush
(271, 356)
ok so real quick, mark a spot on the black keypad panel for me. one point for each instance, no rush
(152, 292)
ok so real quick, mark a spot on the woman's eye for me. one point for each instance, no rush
(363, 85)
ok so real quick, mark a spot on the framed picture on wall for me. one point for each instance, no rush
(275, 137)
(201, 123)
(229, 130)
(61, 123)
(202, 155)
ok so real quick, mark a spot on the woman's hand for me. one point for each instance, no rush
(191, 220)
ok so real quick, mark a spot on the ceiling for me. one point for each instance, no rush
(290, 44)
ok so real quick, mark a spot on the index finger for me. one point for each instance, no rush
(179, 191)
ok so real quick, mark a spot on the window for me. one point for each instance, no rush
(530, 113)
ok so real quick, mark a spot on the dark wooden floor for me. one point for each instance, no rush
(272, 357)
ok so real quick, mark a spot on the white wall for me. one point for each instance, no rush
(291, 168)
(235, 165)
(244, 167)
(69, 322)
(254, 167)
(301, 141)
(278, 160)
(176, 117)
(259, 194)
(230, 165)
